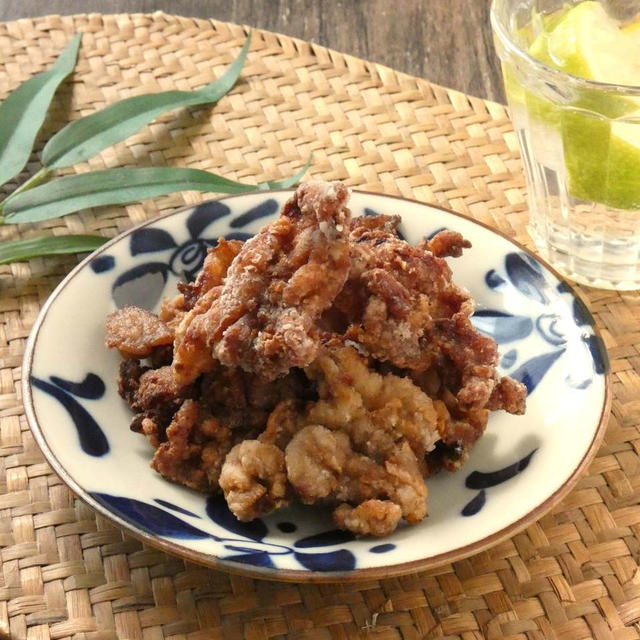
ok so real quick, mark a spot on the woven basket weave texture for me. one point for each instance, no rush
(67, 573)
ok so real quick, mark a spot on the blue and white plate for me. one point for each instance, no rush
(519, 469)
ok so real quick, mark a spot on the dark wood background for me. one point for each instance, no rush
(444, 41)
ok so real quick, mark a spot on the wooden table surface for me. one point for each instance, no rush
(445, 41)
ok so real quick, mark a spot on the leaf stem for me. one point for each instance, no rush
(33, 181)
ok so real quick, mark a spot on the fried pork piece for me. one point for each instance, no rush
(238, 399)
(388, 224)
(510, 395)
(197, 298)
(395, 476)
(129, 373)
(461, 424)
(172, 311)
(364, 439)
(192, 445)
(244, 400)
(395, 293)
(402, 306)
(214, 269)
(263, 318)
(375, 410)
(447, 243)
(254, 479)
(324, 360)
(370, 518)
(136, 332)
(192, 449)
(474, 356)
(191, 355)
(315, 460)
(460, 429)
(192, 438)
(157, 396)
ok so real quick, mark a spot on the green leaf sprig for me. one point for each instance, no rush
(24, 110)
(121, 186)
(22, 115)
(48, 246)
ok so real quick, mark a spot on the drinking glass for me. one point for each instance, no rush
(580, 144)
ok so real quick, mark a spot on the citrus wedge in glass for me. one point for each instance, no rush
(600, 127)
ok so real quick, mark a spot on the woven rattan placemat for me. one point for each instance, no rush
(67, 573)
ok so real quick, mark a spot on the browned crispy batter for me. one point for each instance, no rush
(379, 222)
(244, 400)
(473, 355)
(397, 477)
(156, 396)
(508, 394)
(370, 518)
(263, 319)
(395, 293)
(461, 424)
(447, 243)
(254, 479)
(460, 430)
(315, 460)
(193, 450)
(136, 332)
(192, 353)
(323, 466)
(156, 386)
(129, 373)
(214, 269)
(239, 400)
(172, 310)
(283, 423)
(375, 410)
(193, 438)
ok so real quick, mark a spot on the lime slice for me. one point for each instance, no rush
(602, 160)
(601, 152)
(623, 166)
(586, 142)
(586, 42)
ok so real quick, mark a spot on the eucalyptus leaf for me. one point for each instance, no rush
(48, 246)
(23, 112)
(84, 138)
(119, 186)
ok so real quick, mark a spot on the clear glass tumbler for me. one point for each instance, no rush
(580, 143)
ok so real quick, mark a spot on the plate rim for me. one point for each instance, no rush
(300, 575)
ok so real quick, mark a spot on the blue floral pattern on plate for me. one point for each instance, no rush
(546, 337)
